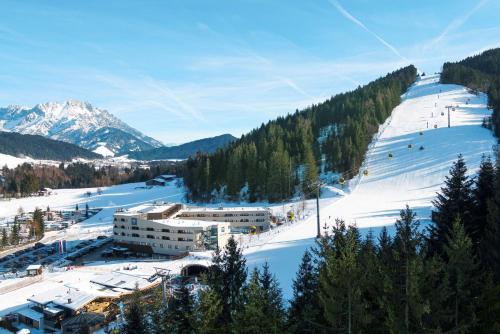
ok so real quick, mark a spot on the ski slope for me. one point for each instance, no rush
(411, 177)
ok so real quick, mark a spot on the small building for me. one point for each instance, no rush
(45, 192)
(87, 322)
(156, 182)
(167, 177)
(30, 317)
(34, 270)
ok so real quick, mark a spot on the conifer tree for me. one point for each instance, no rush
(340, 289)
(272, 301)
(303, 313)
(210, 312)
(14, 233)
(39, 225)
(409, 306)
(5, 239)
(454, 201)
(484, 192)
(226, 278)
(489, 252)
(180, 314)
(461, 270)
(135, 321)
(252, 318)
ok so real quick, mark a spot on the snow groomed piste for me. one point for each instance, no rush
(422, 149)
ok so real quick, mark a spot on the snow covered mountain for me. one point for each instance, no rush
(78, 123)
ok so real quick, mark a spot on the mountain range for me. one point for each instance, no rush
(38, 147)
(184, 151)
(78, 123)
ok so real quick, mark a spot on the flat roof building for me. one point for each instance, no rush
(172, 229)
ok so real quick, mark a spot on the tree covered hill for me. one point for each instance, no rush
(183, 151)
(38, 147)
(480, 72)
(279, 158)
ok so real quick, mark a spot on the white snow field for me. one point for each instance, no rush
(411, 177)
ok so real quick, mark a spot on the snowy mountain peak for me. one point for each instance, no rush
(76, 122)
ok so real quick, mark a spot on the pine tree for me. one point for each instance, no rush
(340, 290)
(210, 313)
(408, 305)
(252, 318)
(272, 301)
(454, 201)
(310, 180)
(14, 233)
(5, 239)
(461, 270)
(135, 321)
(39, 225)
(483, 193)
(180, 314)
(226, 278)
(489, 252)
(303, 313)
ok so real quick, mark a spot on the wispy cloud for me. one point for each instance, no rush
(455, 24)
(352, 18)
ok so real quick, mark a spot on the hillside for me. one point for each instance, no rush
(412, 176)
(38, 147)
(480, 72)
(282, 157)
(184, 151)
(78, 123)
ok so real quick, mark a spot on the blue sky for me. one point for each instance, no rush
(183, 70)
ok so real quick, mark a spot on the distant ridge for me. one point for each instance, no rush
(39, 147)
(184, 151)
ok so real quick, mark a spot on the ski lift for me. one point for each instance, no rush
(421, 148)
(390, 155)
(365, 173)
(410, 146)
(342, 181)
(435, 126)
(453, 109)
(442, 113)
(421, 133)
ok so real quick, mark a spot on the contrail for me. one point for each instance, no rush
(456, 23)
(350, 17)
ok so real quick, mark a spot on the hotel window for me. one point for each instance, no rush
(135, 235)
(134, 221)
(149, 236)
(165, 238)
(135, 228)
(150, 229)
(165, 230)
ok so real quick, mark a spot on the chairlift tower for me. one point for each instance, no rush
(165, 276)
(449, 107)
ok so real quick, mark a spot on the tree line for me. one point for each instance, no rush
(444, 279)
(479, 73)
(283, 157)
(27, 179)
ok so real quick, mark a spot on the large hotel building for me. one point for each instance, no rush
(171, 229)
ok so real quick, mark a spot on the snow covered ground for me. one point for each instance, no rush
(411, 177)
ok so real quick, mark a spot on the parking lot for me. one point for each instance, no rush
(47, 255)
